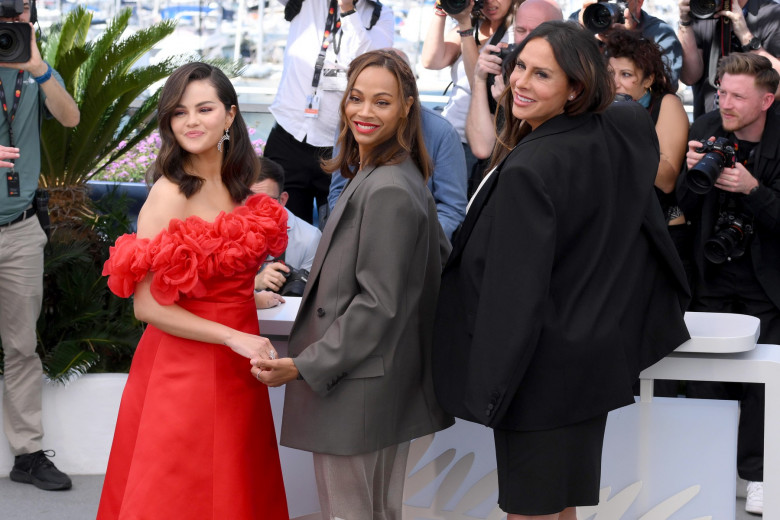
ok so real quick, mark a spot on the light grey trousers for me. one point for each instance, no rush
(21, 294)
(369, 486)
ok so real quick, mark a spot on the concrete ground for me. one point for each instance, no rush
(26, 502)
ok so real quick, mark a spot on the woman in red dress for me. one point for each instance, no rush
(195, 436)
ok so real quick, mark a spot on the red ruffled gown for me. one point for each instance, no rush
(195, 437)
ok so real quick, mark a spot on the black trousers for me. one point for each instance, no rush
(304, 179)
(734, 288)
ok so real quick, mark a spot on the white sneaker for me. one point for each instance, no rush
(754, 501)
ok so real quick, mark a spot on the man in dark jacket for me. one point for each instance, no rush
(736, 223)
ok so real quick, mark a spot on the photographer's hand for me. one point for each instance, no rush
(736, 180)
(693, 157)
(35, 65)
(271, 276)
(7, 152)
(685, 10)
(488, 62)
(738, 23)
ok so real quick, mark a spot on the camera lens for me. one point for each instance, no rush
(702, 177)
(705, 8)
(6, 41)
(14, 42)
(718, 248)
(600, 17)
(454, 6)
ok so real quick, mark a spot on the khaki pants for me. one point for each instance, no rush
(21, 294)
(369, 486)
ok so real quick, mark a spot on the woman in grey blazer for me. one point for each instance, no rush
(359, 383)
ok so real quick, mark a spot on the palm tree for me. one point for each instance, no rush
(100, 76)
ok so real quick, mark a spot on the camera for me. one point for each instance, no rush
(504, 52)
(456, 6)
(15, 42)
(707, 8)
(718, 153)
(732, 234)
(295, 282)
(601, 16)
(15, 36)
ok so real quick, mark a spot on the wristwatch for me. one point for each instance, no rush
(753, 45)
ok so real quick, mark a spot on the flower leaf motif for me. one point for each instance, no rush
(451, 478)
(190, 251)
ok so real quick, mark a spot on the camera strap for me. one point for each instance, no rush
(17, 94)
(332, 30)
(12, 177)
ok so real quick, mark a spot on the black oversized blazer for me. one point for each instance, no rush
(563, 283)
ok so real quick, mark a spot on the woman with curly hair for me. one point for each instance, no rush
(641, 73)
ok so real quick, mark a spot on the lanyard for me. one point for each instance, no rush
(17, 95)
(332, 27)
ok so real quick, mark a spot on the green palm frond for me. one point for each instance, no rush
(105, 81)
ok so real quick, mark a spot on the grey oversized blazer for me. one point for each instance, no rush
(362, 338)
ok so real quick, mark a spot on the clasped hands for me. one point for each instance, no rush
(274, 372)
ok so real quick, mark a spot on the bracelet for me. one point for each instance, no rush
(347, 13)
(754, 189)
(466, 32)
(438, 11)
(685, 24)
(43, 78)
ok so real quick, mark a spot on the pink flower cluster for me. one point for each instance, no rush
(132, 166)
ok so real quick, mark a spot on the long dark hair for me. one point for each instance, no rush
(239, 160)
(577, 53)
(408, 140)
(644, 53)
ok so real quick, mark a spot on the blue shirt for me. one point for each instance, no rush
(448, 183)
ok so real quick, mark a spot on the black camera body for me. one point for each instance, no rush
(15, 42)
(456, 6)
(718, 154)
(504, 52)
(707, 8)
(731, 238)
(599, 17)
(11, 8)
(295, 282)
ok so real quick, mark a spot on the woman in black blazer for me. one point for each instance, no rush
(563, 282)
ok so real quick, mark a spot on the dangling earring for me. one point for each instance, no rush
(224, 138)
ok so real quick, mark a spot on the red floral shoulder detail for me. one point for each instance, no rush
(193, 250)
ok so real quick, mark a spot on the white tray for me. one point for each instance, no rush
(720, 333)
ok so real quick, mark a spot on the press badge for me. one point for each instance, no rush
(312, 108)
(334, 79)
(12, 180)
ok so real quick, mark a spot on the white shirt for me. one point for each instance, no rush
(302, 241)
(303, 45)
(457, 107)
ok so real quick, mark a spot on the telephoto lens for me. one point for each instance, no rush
(718, 153)
(15, 42)
(456, 6)
(705, 8)
(600, 17)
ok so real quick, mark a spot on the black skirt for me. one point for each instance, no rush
(544, 472)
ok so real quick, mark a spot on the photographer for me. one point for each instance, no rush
(40, 94)
(459, 49)
(632, 16)
(302, 237)
(731, 195)
(320, 47)
(480, 125)
(748, 26)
